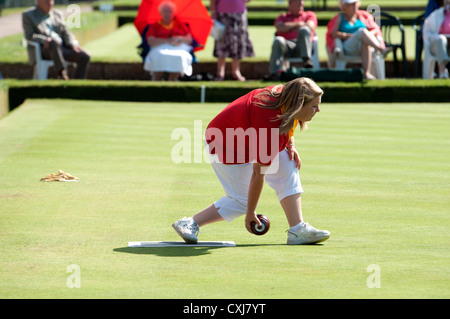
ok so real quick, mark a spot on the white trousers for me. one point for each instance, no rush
(352, 46)
(440, 48)
(235, 180)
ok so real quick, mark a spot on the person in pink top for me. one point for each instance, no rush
(436, 33)
(359, 33)
(235, 43)
(295, 31)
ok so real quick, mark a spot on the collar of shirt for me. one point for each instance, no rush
(295, 15)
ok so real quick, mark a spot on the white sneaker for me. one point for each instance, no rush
(188, 229)
(306, 234)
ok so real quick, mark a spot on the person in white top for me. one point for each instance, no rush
(436, 33)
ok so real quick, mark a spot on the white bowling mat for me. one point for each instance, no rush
(181, 244)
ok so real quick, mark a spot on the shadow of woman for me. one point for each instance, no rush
(180, 251)
(167, 251)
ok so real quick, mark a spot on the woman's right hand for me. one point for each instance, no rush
(346, 36)
(254, 192)
(249, 218)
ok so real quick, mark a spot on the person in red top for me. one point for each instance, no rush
(170, 45)
(252, 141)
(295, 32)
(175, 31)
(244, 122)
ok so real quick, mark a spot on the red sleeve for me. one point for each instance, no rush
(180, 28)
(279, 18)
(329, 38)
(311, 16)
(234, 117)
(269, 140)
(152, 30)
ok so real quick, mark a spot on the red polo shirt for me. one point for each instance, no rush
(244, 132)
(176, 28)
(289, 17)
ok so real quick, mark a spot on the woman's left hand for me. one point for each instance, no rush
(293, 156)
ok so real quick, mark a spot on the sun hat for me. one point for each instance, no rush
(349, 1)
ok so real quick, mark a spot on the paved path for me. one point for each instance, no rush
(11, 24)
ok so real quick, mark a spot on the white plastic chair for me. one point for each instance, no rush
(340, 60)
(314, 57)
(41, 67)
(429, 61)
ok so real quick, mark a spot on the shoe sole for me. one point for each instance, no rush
(310, 243)
(187, 240)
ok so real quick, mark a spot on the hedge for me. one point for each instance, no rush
(15, 92)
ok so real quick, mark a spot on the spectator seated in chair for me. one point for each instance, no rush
(358, 31)
(170, 46)
(46, 26)
(294, 37)
(436, 35)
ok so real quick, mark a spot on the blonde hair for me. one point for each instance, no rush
(292, 96)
